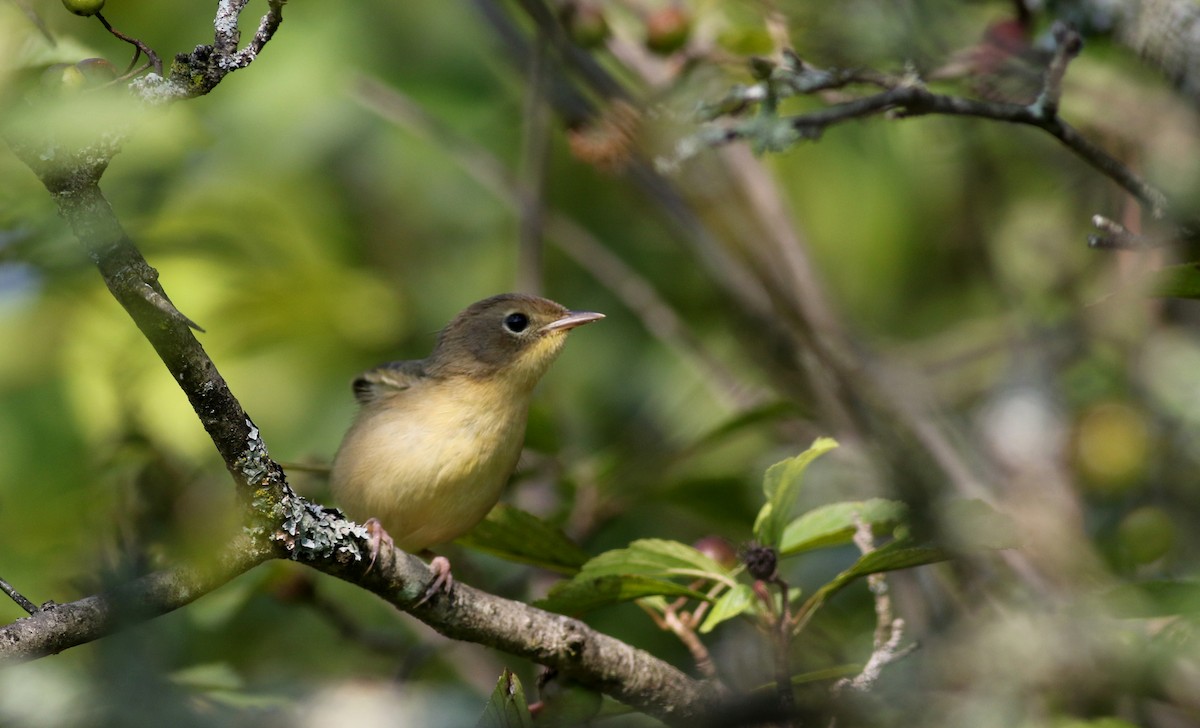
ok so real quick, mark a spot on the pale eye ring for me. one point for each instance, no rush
(516, 322)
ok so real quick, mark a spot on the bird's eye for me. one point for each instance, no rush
(516, 322)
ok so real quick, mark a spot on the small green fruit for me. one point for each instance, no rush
(83, 7)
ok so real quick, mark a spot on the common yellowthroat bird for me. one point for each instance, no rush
(436, 439)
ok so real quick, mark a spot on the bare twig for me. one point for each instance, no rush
(864, 539)
(141, 47)
(915, 100)
(1114, 236)
(684, 629)
(49, 631)
(889, 630)
(1068, 43)
(884, 655)
(198, 72)
(17, 597)
(227, 36)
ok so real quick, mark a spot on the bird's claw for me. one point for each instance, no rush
(443, 580)
(377, 536)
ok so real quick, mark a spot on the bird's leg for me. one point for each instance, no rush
(377, 537)
(443, 580)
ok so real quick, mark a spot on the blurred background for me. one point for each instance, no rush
(920, 289)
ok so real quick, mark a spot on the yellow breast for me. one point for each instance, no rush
(430, 461)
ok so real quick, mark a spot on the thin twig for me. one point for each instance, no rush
(267, 25)
(1068, 43)
(199, 72)
(17, 597)
(142, 47)
(682, 629)
(889, 630)
(916, 100)
(1114, 236)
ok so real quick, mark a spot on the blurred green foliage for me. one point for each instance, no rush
(313, 238)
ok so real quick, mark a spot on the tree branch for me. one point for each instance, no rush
(593, 659)
(913, 99)
(54, 628)
(197, 73)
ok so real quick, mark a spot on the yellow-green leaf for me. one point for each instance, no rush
(895, 555)
(833, 524)
(506, 708)
(513, 534)
(584, 593)
(729, 605)
(781, 484)
(655, 557)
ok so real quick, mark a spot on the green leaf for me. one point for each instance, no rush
(506, 708)
(729, 605)
(513, 534)
(1176, 281)
(634, 572)
(655, 557)
(893, 556)
(833, 524)
(585, 593)
(781, 484)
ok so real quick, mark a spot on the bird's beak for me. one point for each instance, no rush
(571, 320)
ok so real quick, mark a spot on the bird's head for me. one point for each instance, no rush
(512, 336)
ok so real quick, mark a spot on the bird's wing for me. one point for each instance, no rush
(394, 376)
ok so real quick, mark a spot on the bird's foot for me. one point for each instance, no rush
(443, 580)
(377, 537)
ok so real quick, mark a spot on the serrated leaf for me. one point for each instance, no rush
(513, 534)
(655, 557)
(781, 484)
(833, 524)
(585, 593)
(506, 708)
(728, 605)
